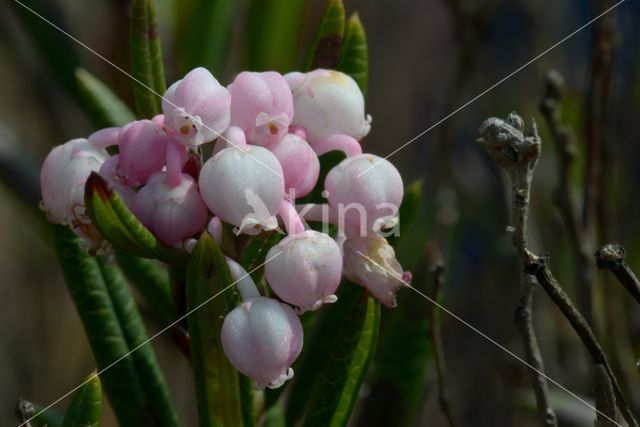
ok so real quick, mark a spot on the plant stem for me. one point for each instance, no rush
(438, 347)
(563, 197)
(518, 155)
(538, 266)
(604, 397)
(611, 256)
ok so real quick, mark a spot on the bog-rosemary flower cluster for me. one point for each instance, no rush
(268, 131)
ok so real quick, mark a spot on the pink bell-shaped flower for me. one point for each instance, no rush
(305, 269)
(142, 147)
(64, 174)
(328, 102)
(261, 105)
(243, 186)
(299, 163)
(262, 338)
(371, 262)
(196, 109)
(365, 191)
(171, 213)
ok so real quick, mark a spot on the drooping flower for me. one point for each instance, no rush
(262, 338)
(196, 109)
(261, 105)
(328, 102)
(243, 186)
(366, 191)
(171, 213)
(64, 174)
(305, 269)
(142, 146)
(371, 262)
(299, 162)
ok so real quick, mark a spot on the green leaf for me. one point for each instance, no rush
(102, 105)
(338, 355)
(409, 210)
(152, 281)
(210, 296)
(403, 357)
(255, 253)
(144, 357)
(86, 406)
(146, 58)
(272, 35)
(55, 50)
(327, 162)
(324, 51)
(354, 56)
(274, 417)
(102, 328)
(118, 225)
(204, 33)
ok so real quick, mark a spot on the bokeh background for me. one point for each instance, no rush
(427, 58)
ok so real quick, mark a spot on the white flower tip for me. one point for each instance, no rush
(278, 382)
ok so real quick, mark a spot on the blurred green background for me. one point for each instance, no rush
(426, 58)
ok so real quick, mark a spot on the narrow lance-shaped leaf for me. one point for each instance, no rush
(204, 33)
(86, 406)
(340, 350)
(102, 105)
(210, 297)
(118, 225)
(146, 58)
(144, 357)
(354, 55)
(272, 31)
(102, 328)
(324, 51)
(405, 351)
(152, 281)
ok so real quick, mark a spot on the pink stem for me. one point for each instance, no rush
(292, 221)
(299, 131)
(215, 229)
(324, 213)
(175, 152)
(344, 143)
(105, 137)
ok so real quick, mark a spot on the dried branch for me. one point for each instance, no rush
(598, 98)
(538, 266)
(604, 397)
(563, 197)
(611, 256)
(438, 347)
(518, 155)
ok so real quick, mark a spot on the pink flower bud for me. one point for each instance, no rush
(109, 171)
(171, 213)
(262, 338)
(197, 108)
(299, 163)
(366, 191)
(261, 105)
(63, 175)
(371, 262)
(142, 151)
(304, 269)
(327, 102)
(244, 187)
